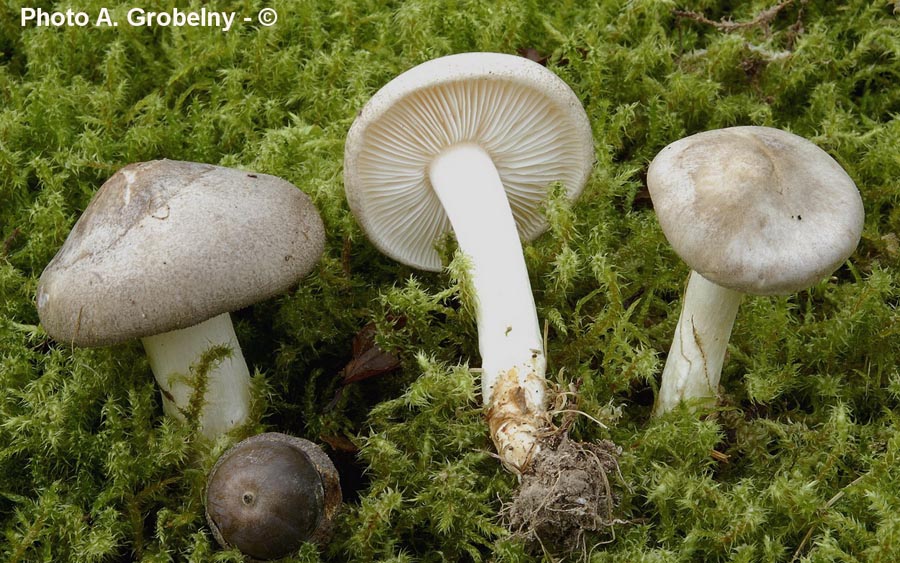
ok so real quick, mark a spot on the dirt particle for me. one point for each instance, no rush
(533, 54)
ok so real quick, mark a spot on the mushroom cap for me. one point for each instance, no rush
(525, 117)
(270, 493)
(755, 209)
(164, 245)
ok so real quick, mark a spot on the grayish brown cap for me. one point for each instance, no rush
(271, 492)
(525, 117)
(166, 244)
(755, 209)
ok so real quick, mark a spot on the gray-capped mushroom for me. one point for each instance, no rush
(751, 210)
(164, 251)
(270, 493)
(470, 143)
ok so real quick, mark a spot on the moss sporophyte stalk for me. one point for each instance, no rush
(796, 462)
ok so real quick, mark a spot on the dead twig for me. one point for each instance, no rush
(763, 19)
(821, 514)
(11, 240)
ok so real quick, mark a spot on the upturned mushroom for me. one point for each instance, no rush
(752, 210)
(270, 493)
(470, 143)
(163, 252)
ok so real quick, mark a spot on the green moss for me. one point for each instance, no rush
(799, 463)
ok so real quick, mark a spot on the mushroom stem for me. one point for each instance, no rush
(509, 336)
(694, 364)
(227, 399)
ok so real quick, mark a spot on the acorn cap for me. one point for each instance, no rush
(525, 117)
(270, 493)
(165, 245)
(755, 209)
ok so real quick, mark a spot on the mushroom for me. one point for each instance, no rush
(751, 210)
(163, 252)
(270, 493)
(470, 142)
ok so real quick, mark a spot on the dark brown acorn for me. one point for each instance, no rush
(270, 493)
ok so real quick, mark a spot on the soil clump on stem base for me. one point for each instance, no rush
(564, 493)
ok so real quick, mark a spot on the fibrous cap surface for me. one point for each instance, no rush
(165, 245)
(755, 209)
(525, 117)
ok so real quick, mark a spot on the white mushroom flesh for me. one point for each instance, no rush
(472, 142)
(174, 355)
(694, 365)
(509, 336)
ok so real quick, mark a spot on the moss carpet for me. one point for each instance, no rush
(798, 464)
